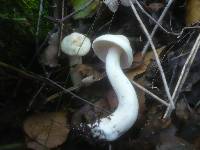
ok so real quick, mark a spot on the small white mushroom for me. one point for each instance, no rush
(116, 52)
(75, 45)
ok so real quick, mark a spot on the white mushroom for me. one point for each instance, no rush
(75, 45)
(115, 51)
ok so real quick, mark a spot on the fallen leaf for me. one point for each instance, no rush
(141, 63)
(89, 74)
(192, 12)
(46, 130)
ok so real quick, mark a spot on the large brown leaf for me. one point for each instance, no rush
(46, 130)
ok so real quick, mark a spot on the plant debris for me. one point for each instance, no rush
(40, 106)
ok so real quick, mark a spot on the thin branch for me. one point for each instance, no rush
(156, 26)
(71, 14)
(187, 28)
(35, 96)
(49, 82)
(150, 93)
(61, 28)
(56, 95)
(38, 23)
(133, 82)
(155, 54)
(184, 74)
(37, 93)
(156, 22)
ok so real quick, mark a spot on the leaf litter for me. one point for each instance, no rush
(180, 131)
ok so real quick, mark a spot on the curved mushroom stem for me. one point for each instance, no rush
(116, 124)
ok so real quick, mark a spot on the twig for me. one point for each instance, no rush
(38, 23)
(13, 146)
(184, 74)
(187, 28)
(104, 25)
(50, 98)
(38, 48)
(71, 14)
(157, 23)
(109, 146)
(156, 26)
(133, 82)
(32, 60)
(155, 54)
(149, 93)
(35, 96)
(61, 27)
(49, 82)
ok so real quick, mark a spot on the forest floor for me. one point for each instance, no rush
(46, 101)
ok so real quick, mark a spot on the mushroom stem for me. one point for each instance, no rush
(75, 60)
(122, 119)
(75, 76)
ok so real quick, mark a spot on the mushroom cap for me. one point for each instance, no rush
(102, 44)
(75, 44)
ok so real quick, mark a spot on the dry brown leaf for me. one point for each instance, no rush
(144, 62)
(88, 73)
(46, 130)
(192, 12)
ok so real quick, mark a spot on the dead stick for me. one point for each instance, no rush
(155, 54)
(184, 74)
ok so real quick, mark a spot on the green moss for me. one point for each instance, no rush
(87, 12)
(24, 13)
(18, 23)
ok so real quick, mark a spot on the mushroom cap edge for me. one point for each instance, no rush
(102, 44)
